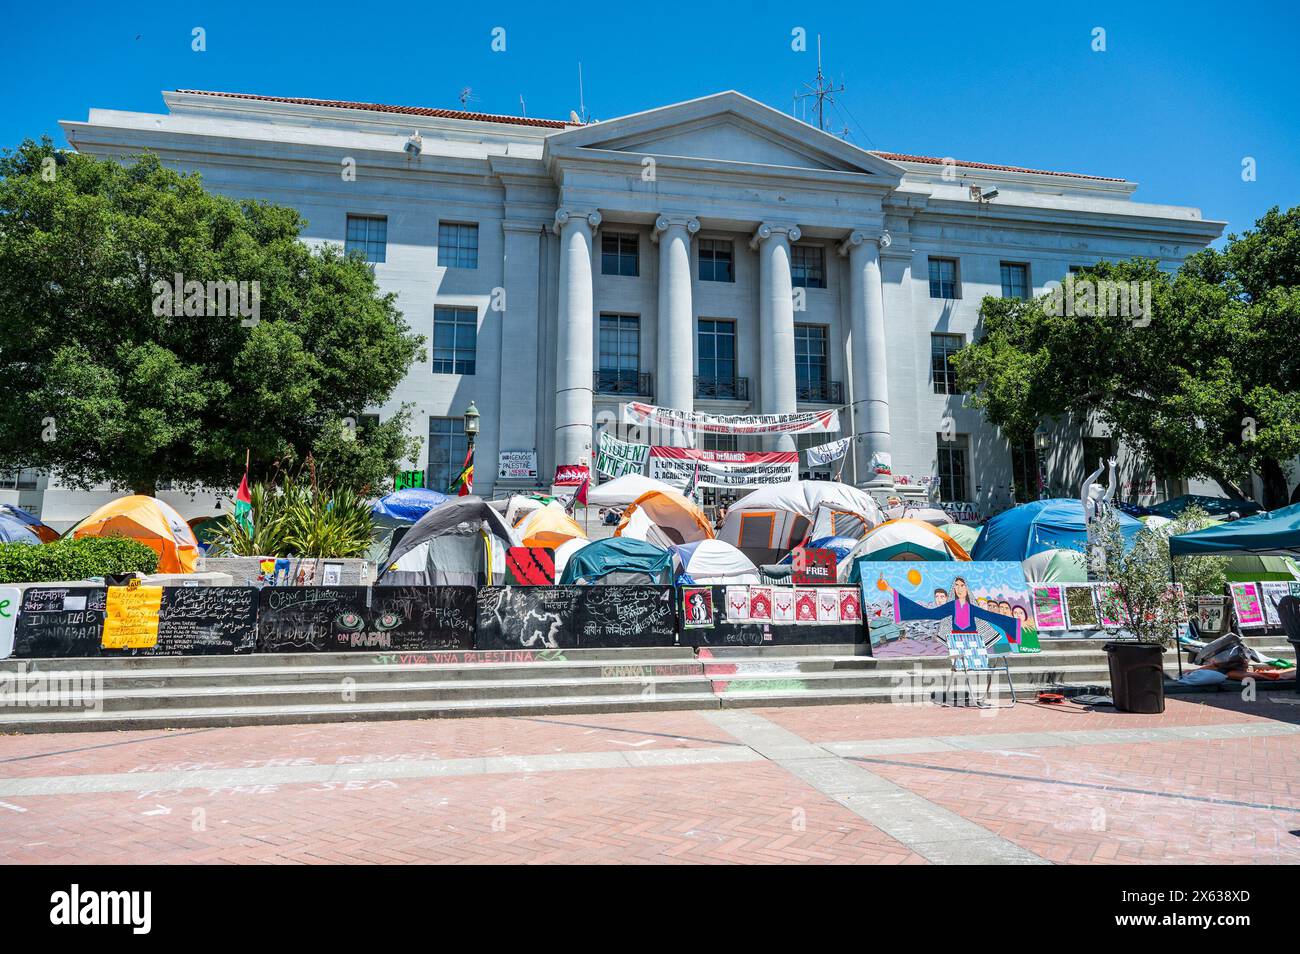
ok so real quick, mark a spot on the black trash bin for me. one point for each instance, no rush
(1137, 676)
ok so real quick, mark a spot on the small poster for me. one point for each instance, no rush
(517, 465)
(1081, 607)
(1273, 592)
(1246, 601)
(131, 617)
(805, 605)
(1049, 608)
(760, 603)
(782, 604)
(737, 603)
(850, 606)
(828, 605)
(1209, 615)
(332, 574)
(813, 565)
(697, 607)
(1109, 609)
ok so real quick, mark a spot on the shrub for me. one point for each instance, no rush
(70, 559)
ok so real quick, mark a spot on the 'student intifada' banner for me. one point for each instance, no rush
(677, 466)
(804, 422)
(614, 458)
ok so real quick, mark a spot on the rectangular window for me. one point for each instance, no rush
(1024, 471)
(808, 266)
(620, 354)
(953, 469)
(367, 236)
(716, 261)
(717, 347)
(810, 371)
(457, 245)
(455, 338)
(1015, 280)
(618, 254)
(719, 442)
(943, 278)
(942, 374)
(447, 448)
(24, 479)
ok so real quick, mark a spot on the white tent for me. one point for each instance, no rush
(713, 562)
(622, 491)
(564, 551)
(767, 523)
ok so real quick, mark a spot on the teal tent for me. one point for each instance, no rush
(1272, 531)
(1214, 506)
(618, 560)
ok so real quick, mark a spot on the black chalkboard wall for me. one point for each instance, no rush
(575, 617)
(723, 633)
(60, 621)
(357, 618)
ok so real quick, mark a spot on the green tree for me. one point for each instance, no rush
(1205, 386)
(105, 377)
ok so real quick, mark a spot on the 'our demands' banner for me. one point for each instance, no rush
(677, 466)
(131, 617)
(669, 418)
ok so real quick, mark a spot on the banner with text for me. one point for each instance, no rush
(615, 458)
(826, 453)
(807, 422)
(677, 466)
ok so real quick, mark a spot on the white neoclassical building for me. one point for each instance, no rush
(712, 255)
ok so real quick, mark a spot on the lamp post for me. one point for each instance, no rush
(1042, 444)
(471, 424)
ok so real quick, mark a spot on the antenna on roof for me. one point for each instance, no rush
(821, 90)
(582, 104)
(467, 96)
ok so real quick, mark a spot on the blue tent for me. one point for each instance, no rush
(1030, 528)
(1214, 506)
(407, 505)
(617, 555)
(13, 530)
(1273, 531)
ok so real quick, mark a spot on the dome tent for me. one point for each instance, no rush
(549, 527)
(903, 539)
(1053, 524)
(766, 524)
(1056, 566)
(405, 506)
(461, 543)
(708, 562)
(664, 519)
(618, 560)
(150, 521)
(13, 530)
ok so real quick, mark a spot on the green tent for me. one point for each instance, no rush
(963, 533)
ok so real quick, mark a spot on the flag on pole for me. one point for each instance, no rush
(579, 496)
(244, 504)
(463, 485)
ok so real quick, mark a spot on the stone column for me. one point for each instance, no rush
(576, 337)
(776, 324)
(675, 365)
(871, 440)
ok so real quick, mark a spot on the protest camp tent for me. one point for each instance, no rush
(767, 523)
(1242, 567)
(564, 552)
(963, 533)
(932, 515)
(549, 527)
(618, 560)
(13, 530)
(405, 506)
(44, 534)
(1275, 532)
(519, 507)
(664, 519)
(463, 542)
(624, 490)
(1056, 566)
(1053, 524)
(902, 540)
(1214, 506)
(712, 562)
(147, 519)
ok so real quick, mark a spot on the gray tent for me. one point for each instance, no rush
(461, 543)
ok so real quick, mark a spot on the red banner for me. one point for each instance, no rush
(571, 475)
(678, 465)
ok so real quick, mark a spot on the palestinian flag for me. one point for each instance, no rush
(244, 506)
(463, 485)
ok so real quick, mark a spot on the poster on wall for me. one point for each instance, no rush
(920, 608)
(1110, 611)
(1271, 593)
(1210, 616)
(615, 458)
(678, 466)
(668, 418)
(697, 606)
(517, 465)
(1081, 607)
(1049, 608)
(1246, 601)
(571, 475)
(131, 617)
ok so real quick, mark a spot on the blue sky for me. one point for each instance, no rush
(1181, 95)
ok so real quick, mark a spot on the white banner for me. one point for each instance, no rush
(806, 422)
(517, 465)
(825, 453)
(614, 458)
(677, 466)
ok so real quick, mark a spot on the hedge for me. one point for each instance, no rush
(74, 559)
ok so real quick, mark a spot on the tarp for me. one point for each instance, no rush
(664, 519)
(766, 524)
(1056, 566)
(44, 533)
(146, 519)
(549, 527)
(13, 530)
(1214, 506)
(1273, 531)
(406, 505)
(460, 543)
(622, 491)
(712, 562)
(1054, 524)
(617, 556)
(903, 539)
(964, 533)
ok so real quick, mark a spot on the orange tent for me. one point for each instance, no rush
(664, 519)
(146, 519)
(549, 527)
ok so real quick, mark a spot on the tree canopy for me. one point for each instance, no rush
(1207, 385)
(108, 373)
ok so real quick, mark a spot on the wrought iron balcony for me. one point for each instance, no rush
(610, 381)
(722, 389)
(821, 392)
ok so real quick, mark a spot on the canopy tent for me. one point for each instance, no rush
(624, 490)
(13, 530)
(767, 523)
(146, 519)
(44, 534)
(963, 533)
(1056, 566)
(1214, 506)
(405, 506)
(549, 527)
(664, 519)
(1268, 532)
(902, 539)
(463, 542)
(840, 546)
(708, 562)
(618, 560)
(1054, 524)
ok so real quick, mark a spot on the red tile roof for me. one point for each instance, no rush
(904, 157)
(379, 108)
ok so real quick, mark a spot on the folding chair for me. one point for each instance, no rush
(969, 656)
